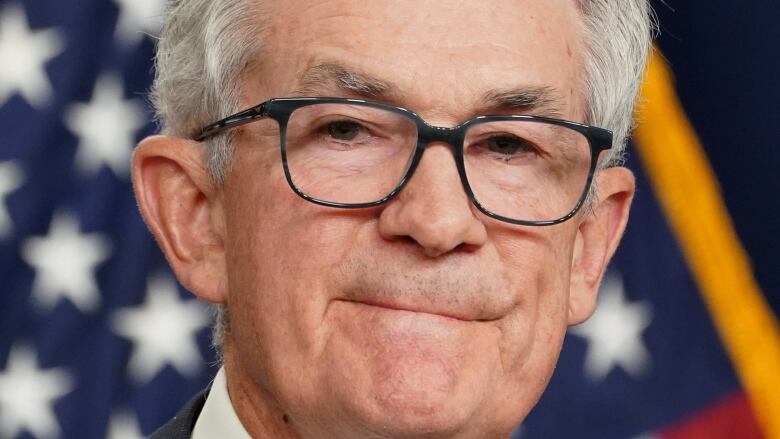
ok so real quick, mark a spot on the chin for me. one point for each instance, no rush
(450, 423)
(414, 423)
(404, 374)
(420, 404)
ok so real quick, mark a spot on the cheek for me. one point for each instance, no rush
(272, 231)
(541, 297)
(275, 229)
(283, 254)
(539, 272)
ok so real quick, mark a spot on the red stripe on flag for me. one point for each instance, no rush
(730, 418)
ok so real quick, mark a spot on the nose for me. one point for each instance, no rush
(433, 209)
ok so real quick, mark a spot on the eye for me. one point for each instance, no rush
(509, 145)
(344, 130)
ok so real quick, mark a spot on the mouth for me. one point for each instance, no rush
(446, 314)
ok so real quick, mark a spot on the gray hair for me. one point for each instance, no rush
(618, 36)
(205, 46)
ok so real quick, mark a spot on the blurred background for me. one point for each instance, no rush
(97, 340)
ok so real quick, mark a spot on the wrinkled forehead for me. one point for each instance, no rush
(436, 54)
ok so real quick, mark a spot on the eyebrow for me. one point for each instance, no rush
(331, 77)
(538, 100)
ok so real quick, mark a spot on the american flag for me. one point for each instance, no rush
(97, 340)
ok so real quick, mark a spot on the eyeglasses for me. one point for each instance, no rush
(352, 153)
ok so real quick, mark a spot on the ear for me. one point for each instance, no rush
(182, 207)
(597, 239)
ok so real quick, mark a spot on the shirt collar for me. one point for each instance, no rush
(218, 418)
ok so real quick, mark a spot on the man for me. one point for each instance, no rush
(395, 204)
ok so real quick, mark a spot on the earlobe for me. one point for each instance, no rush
(182, 208)
(597, 239)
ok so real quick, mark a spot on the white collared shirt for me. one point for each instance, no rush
(218, 419)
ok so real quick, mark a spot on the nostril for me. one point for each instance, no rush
(431, 247)
(434, 252)
(437, 250)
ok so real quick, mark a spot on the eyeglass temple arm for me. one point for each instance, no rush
(232, 121)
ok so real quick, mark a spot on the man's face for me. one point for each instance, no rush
(422, 316)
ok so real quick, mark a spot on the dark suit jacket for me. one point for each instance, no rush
(180, 427)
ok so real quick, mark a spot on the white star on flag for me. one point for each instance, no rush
(137, 17)
(10, 180)
(65, 262)
(106, 127)
(614, 333)
(24, 53)
(163, 331)
(123, 425)
(27, 395)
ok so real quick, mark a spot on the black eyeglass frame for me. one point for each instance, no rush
(280, 110)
